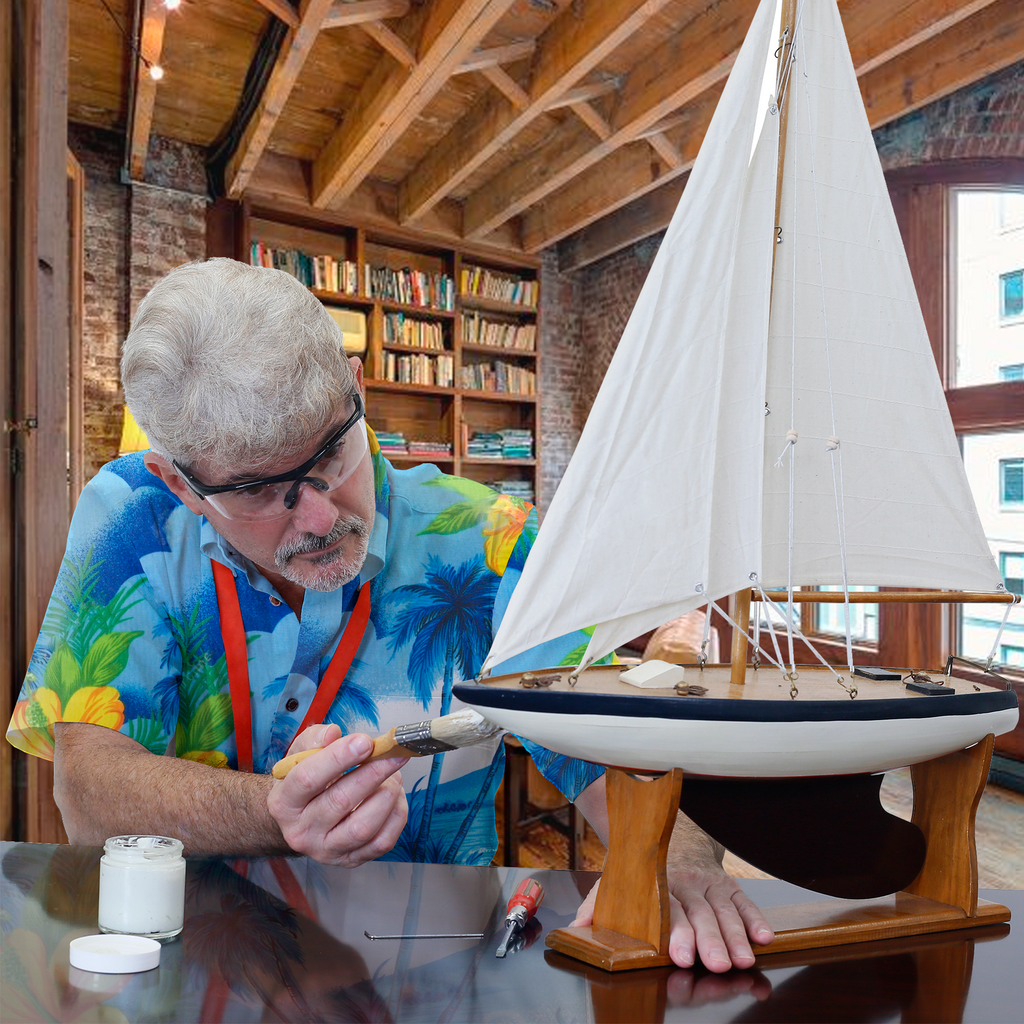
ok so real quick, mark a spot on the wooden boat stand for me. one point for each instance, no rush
(631, 914)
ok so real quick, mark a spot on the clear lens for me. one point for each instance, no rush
(267, 501)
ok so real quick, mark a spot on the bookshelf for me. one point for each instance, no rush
(452, 360)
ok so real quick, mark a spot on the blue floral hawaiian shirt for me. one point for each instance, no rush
(131, 639)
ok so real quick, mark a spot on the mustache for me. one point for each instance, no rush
(308, 543)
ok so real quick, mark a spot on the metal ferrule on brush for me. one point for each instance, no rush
(417, 738)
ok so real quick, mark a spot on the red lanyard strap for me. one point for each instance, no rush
(237, 661)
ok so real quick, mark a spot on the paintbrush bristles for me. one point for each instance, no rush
(463, 728)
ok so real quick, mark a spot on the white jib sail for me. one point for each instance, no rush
(858, 365)
(637, 521)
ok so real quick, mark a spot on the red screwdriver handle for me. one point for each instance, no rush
(529, 895)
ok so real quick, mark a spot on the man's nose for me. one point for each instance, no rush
(314, 511)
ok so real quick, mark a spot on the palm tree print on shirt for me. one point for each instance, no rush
(448, 620)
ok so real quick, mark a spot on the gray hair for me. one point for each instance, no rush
(236, 364)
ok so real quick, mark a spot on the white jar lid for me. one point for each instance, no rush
(114, 954)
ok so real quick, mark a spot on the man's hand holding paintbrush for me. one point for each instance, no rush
(353, 783)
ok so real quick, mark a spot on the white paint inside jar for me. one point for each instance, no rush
(142, 886)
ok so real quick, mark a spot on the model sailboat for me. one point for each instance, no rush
(772, 418)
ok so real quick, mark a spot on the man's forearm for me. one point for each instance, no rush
(106, 784)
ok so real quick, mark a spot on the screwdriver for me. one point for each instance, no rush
(521, 907)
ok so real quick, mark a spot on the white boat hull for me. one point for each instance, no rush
(752, 749)
(747, 731)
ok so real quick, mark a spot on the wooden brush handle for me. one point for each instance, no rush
(383, 746)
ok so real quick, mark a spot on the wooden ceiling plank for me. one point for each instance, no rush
(681, 69)
(389, 41)
(343, 14)
(282, 9)
(882, 30)
(988, 41)
(290, 60)
(592, 119)
(151, 44)
(391, 98)
(494, 56)
(991, 39)
(569, 49)
(507, 86)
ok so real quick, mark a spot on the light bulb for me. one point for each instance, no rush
(172, 5)
(156, 72)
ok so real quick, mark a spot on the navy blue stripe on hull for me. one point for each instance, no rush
(703, 709)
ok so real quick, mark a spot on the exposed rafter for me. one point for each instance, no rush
(357, 12)
(151, 44)
(283, 9)
(990, 39)
(390, 41)
(391, 97)
(290, 60)
(494, 56)
(574, 44)
(674, 75)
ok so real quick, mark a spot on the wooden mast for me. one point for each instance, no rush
(741, 599)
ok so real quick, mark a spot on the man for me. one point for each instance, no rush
(262, 570)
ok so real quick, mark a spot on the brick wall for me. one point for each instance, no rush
(982, 121)
(133, 236)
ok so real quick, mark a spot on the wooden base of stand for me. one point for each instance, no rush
(631, 915)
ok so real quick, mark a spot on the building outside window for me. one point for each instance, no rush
(987, 343)
(1011, 294)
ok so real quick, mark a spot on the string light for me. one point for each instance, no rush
(172, 5)
(156, 72)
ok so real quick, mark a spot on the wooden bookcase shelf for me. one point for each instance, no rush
(465, 297)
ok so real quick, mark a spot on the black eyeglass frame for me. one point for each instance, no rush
(298, 475)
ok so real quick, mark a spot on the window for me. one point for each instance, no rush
(987, 286)
(831, 618)
(1011, 483)
(1011, 294)
(1010, 655)
(1012, 372)
(1011, 568)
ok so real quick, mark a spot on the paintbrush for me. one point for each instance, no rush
(460, 729)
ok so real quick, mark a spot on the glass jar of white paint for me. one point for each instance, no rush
(142, 886)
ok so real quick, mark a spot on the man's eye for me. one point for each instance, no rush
(255, 491)
(332, 453)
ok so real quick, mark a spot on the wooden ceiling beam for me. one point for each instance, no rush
(282, 184)
(293, 54)
(662, 145)
(629, 172)
(986, 42)
(392, 97)
(991, 39)
(583, 35)
(151, 44)
(494, 56)
(507, 86)
(283, 10)
(586, 93)
(672, 76)
(882, 30)
(390, 41)
(592, 119)
(358, 12)
(640, 218)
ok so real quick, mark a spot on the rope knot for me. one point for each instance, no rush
(791, 439)
(832, 444)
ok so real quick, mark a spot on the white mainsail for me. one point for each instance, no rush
(676, 492)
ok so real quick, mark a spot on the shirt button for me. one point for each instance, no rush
(291, 703)
(275, 601)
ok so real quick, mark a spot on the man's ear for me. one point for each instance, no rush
(357, 368)
(161, 468)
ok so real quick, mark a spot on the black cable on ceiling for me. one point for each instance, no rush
(256, 79)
